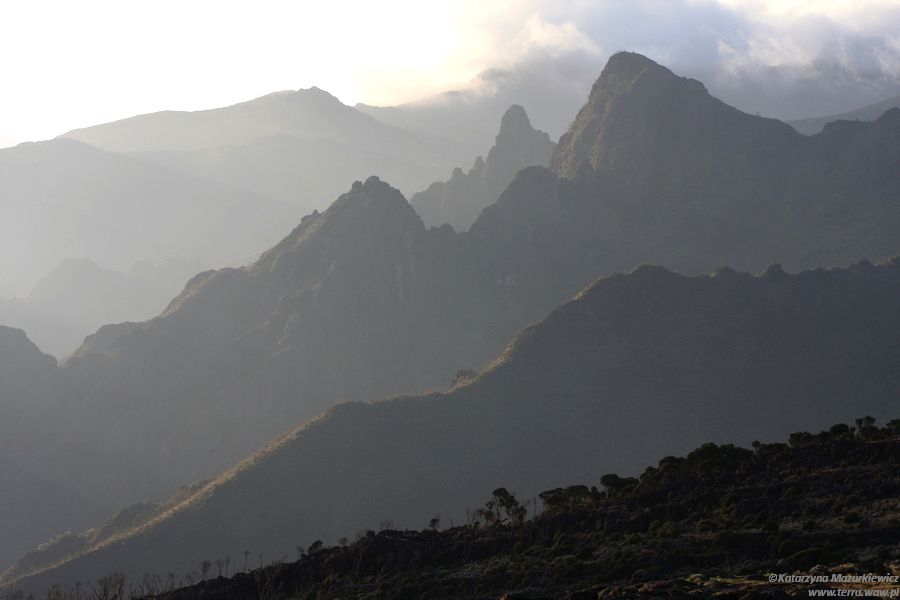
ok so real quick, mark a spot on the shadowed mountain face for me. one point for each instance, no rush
(866, 113)
(635, 366)
(459, 201)
(62, 198)
(671, 175)
(362, 301)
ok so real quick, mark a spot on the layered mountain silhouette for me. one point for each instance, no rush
(871, 112)
(303, 147)
(63, 198)
(362, 301)
(635, 366)
(302, 172)
(459, 201)
(79, 296)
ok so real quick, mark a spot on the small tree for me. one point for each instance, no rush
(615, 484)
(435, 523)
(110, 587)
(504, 508)
(316, 546)
(866, 426)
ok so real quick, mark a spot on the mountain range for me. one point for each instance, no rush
(361, 301)
(62, 199)
(299, 146)
(635, 366)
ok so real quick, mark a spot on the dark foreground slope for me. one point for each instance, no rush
(362, 302)
(635, 367)
(714, 523)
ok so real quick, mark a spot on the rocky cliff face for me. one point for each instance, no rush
(687, 181)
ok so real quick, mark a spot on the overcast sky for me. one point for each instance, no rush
(68, 64)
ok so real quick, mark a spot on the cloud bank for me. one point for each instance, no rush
(788, 59)
(82, 63)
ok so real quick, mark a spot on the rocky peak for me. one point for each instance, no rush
(372, 196)
(516, 129)
(459, 201)
(517, 145)
(631, 100)
(514, 119)
(372, 213)
(319, 97)
(629, 66)
(644, 128)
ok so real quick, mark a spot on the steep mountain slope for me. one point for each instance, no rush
(867, 113)
(676, 177)
(62, 198)
(634, 367)
(79, 296)
(309, 125)
(362, 301)
(459, 201)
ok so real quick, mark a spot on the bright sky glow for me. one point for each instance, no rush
(67, 64)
